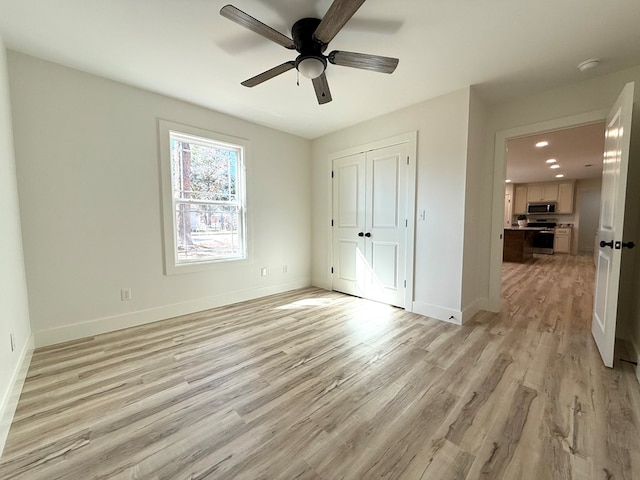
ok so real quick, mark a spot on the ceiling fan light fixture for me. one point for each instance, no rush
(589, 64)
(311, 67)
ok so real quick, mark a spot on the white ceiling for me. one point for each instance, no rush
(578, 152)
(185, 49)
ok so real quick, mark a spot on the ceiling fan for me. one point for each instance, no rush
(311, 36)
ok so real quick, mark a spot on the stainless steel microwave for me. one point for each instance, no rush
(543, 208)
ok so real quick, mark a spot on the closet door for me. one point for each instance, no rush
(386, 223)
(370, 224)
(349, 224)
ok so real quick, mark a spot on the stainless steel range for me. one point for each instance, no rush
(543, 239)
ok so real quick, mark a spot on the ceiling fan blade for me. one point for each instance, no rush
(269, 74)
(375, 63)
(338, 14)
(321, 86)
(247, 21)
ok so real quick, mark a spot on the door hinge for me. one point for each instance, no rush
(332, 222)
(331, 269)
(331, 173)
(406, 222)
(405, 284)
(407, 160)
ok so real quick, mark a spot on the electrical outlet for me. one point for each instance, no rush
(284, 269)
(263, 272)
(13, 341)
(125, 294)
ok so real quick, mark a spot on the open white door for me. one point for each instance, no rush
(612, 204)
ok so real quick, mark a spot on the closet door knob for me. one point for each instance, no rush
(367, 234)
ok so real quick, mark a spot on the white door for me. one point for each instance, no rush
(612, 203)
(349, 224)
(370, 224)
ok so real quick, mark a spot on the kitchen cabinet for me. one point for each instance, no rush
(518, 244)
(562, 240)
(565, 198)
(542, 192)
(520, 202)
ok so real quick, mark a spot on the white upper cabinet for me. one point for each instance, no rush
(565, 198)
(520, 202)
(542, 192)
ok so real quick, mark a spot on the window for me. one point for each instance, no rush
(203, 197)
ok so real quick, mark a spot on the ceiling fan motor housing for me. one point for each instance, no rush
(308, 47)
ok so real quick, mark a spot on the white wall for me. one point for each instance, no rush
(587, 208)
(591, 95)
(88, 180)
(13, 288)
(476, 240)
(441, 178)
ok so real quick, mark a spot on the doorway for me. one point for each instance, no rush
(498, 217)
(611, 229)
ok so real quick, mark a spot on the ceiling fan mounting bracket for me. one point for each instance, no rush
(302, 33)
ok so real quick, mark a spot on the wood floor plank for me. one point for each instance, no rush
(317, 385)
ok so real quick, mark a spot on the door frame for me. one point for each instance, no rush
(499, 176)
(411, 139)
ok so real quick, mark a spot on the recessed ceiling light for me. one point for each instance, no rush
(551, 160)
(508, 180)
(543, 143)
(555, 166)
(560, 175)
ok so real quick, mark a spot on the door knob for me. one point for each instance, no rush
(619, 245)
(367, 234)
(360, 234)
(606, 244)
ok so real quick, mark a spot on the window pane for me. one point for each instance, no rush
(203, 171)
(207, 232)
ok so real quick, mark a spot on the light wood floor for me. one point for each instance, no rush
(317, 385)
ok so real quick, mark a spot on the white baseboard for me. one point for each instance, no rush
(10, 401)
(439, 313)
(97, 326)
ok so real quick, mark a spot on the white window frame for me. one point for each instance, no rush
(171, 263)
